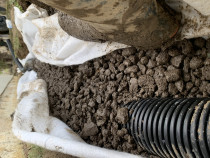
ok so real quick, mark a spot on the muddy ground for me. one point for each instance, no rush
(89, 97)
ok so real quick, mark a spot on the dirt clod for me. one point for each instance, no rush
(195, 63)
(179, 85)
(133, 87)
(177, 60)
(90, 129)
(122, 115)
(206, 72)
(131, 69)
(162, 58)
(173, 75)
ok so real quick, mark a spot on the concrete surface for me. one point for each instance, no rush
(10, 147)
(4, 80)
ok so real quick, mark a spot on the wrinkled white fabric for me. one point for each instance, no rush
(50, 44)
(23, 22)
(194, 23)
(32, 124)
(54, 46)
(28, 57)
(203, 6)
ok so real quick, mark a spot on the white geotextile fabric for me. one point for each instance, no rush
(202, 6)
(23, 22)
(32, 124)
(47, 41)
(195, 24)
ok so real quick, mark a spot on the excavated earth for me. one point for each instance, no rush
(89, 97)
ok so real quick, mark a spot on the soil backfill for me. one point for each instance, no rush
(89, 97)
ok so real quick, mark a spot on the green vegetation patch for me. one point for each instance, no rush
(16, 4)
(35, 152)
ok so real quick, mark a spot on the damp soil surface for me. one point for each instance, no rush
(89, 97)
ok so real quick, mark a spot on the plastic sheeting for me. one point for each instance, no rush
(50, 44)
(9, 24)
(32, 124)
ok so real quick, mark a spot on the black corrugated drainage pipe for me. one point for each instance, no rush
(171, 127)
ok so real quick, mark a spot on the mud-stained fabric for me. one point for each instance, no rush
(140, 23)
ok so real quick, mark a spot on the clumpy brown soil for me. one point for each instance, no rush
(89, 97)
